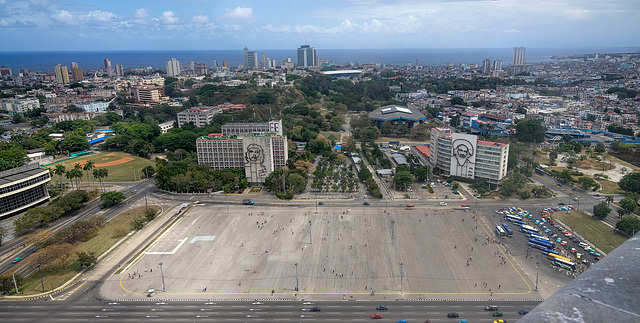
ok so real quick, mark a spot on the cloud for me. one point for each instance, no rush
(239, 12)
(200, 19)
(100, 15)
(141, 13)
(64, 16)
(169, 18)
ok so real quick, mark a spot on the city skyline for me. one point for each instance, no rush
(39, 25)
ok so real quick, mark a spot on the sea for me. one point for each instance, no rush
(91, 60)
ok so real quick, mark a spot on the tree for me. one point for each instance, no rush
(457, 101)
(521, 110)
(608, 199)
(629, 225)
(524, 195)
(60, 170)
(630, 183)
(3, 233)
(110, 198)
(530, 130)
(148, 171)
(455, 121)
(86, 259)
(421, 173)
(601, 210)
(88, 166)
(403, 178)
(101, 173)
(296, 182)
(599, 148)
(629, 204)
(75, 143)
(6, 282)
(586, 182)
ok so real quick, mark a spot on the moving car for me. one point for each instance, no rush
(382, 307)
(560, 203)
(491, 308)
(16, 260)
(320, 203)
(453, 315)
(523, 312)
(197, 202)
(443, 204)
(465, 205)
(497, 314)
(365, 203)
(376, 316)
(410, 205)
(315, 309)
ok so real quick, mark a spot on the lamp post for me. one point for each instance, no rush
(310, 232)
(537, 266)
(296, 264)
(41, 282)
(162, 275)
(316, 203)
(393, 236)
(401, 264)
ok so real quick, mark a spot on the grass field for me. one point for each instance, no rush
(123, 167)
(609, 187)
(591, 229)
(98, 244)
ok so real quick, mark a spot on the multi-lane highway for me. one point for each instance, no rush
(254, 311)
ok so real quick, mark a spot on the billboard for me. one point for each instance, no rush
(463, 155)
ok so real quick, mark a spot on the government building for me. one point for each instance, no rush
(467, 156)
(22, 188)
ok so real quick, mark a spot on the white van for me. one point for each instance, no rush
(583, 245)
(443, 204)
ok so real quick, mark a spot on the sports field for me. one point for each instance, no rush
(123, 167)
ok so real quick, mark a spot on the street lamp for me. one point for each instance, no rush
(296, 264)
(393, 236)
(310, 232)
(537, 266)
(41, 282)
(401, 264)
(316, 203)
(162, 275)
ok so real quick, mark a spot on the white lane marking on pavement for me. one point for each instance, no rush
(168, 252)
(202, 238)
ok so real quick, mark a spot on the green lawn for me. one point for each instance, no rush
(123, 167)
(609, 187)
(591, 229)
(98, 244)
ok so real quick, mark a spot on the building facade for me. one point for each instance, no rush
(76, 72)
(258, 154)
(22, 188)
(62, 74)
(56, 117)
(250, 58)
(173, 67)
(200, 116)
(518, 55)
(306, 56)
(466, 156)
(19, 106)
(166, 126)
(147, 94)
(274, 126)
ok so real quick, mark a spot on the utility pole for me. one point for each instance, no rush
(14, 283)
(310, 232)
(162, 275)
(401, 264)
(537, 266)
(146, 203)
(41, 282)
(316, 204)
(393, 236)
(296, 264)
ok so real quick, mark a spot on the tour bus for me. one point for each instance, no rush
(508, 230)
(500, 232)
(538, 236)
(541, 243)
(511, 217)
(516, 222)
(568, 265)
(540, 171)
(553, 256)
(549, 244)
(550, 252)
(528, 229)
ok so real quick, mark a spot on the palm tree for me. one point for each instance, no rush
(76, 173)
(77, 166)
(101, 173)
(608, 199)
(69, 175)
(88, 166)
(60, 170)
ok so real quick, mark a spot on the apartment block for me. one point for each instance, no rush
(147, 94)
(274, 126)
(200, 116)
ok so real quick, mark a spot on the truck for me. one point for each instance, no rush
(247, 202)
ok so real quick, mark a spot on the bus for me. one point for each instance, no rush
(550, 252)
(551, 244)
(511, 217)
(508, 230)
(540, 171)
(542, 243)
(538, 236)
(537, 246)
(568, 265)
(528, 229)
(553, 256)
(519, 222)
(500, 232)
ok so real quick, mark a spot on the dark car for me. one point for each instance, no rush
(382, 307)
(523, 312)
(560, 203)
(365, 203)
(315, 309)
(320, 203)
(453, 315)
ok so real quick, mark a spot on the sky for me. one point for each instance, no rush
(59, 25)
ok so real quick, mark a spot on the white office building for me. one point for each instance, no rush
(173, 67)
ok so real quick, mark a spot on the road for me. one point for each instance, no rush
(253, 311)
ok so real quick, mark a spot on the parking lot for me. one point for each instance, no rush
(421, 192)
(424, 251)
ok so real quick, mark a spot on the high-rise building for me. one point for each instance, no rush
(119, 70)
(518, 55)
(147, 94)
(250, 58)
(76, 72)
(486, 66)
(108, 67)
(497, 65)
(173, 67)
(306, 56)
(62, 74)
(4, 71)
(200, 116)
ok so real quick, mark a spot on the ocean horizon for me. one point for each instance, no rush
(91, 60)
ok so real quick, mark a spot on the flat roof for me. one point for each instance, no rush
(15, 178)
(490, 143)
(423, 150)
(395, 112)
